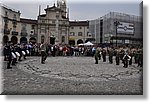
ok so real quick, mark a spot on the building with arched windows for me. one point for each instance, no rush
(54, 23)
(16, 29)
(79, 32)
(10, 24)
(54, 27)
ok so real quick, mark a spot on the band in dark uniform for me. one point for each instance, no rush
(14, 53)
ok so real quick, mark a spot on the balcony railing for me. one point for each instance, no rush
(14, 33)
(33, 35)
(24, 34)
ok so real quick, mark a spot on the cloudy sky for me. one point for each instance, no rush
(78, 10)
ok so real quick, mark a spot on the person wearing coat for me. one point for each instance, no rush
(117, 56)
(8, 54)
(126, 59)
(104, 55)
(43, 48)
(96, 55)
(110, 52)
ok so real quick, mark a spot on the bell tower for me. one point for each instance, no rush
(62, 5)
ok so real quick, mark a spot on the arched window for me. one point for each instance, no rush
(14, 39)
(5, 39)
(80, 41)
(23, 40)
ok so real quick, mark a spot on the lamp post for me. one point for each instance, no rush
(116, 23)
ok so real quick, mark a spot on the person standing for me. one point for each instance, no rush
(104, 55)
(24, 50)
(140, 58)
(93, 51)
(136, 55)
(131, 55)
(5, 52)
(99, 56)
(126, 59)
(117, 57)
(121, 54)
(43, 48)
(14, 58)
(19, 50)
(110, 52)
(96, 55)
(9, 54)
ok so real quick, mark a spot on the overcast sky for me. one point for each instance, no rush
(85, 10)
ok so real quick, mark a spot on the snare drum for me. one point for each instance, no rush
(23, 52)
(27, 51)
(13, 55)
(17, 53)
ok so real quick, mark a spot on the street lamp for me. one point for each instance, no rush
(116, 23)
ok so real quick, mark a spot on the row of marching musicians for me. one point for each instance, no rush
(14, 53)
(124, 55)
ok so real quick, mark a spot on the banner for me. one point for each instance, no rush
(125, 28)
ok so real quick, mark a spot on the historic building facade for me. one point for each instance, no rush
(28, 30)
(79, 32)
(16, 29)
(10, 24)
(54, 27)
(54, 24)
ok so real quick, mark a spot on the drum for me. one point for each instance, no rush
(23, 53)
(27, 51)
(17, 53)
(13, 55)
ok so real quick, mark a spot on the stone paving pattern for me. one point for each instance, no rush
(72, 75)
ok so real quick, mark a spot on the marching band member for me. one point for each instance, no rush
(9, 54)
(117, 56)
(43, 48)
(126, 59)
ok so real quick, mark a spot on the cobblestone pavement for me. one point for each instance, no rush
(71, 75)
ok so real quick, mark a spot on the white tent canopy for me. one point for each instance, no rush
(81, 44)
(88, 44)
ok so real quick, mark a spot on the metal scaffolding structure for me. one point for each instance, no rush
(109, 29)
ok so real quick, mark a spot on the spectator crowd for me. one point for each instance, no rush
(122, 54)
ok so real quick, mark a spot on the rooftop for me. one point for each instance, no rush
(30, 21)
(79, 23)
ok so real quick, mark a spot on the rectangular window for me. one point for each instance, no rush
(15, 18)
(33, 26)
(72, 33)
(6, 13)
(72, 27)
(14, 29)
(23, 28)
(53, 21)
(87, 33)
(79, 33)
(43, 21)
(42, 30)
(80, 27)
